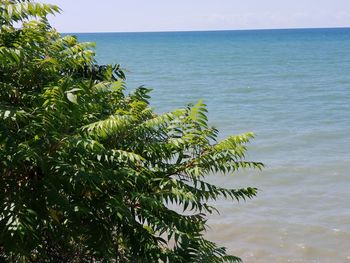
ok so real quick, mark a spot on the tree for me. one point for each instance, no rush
(88, 172)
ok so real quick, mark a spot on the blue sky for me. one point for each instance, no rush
(179, 15)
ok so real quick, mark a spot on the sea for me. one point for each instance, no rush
(292, 89)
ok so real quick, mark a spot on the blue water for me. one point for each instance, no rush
(292, 89)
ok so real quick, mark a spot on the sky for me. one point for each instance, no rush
(187, 15)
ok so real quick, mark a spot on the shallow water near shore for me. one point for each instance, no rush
(292, 89)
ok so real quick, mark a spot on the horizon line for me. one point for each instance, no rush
(203, 30)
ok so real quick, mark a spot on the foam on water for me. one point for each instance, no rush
(290, 87)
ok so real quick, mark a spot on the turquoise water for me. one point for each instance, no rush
(292, 89)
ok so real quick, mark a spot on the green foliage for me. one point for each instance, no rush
(88, 174)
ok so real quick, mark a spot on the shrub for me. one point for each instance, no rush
(88, 172)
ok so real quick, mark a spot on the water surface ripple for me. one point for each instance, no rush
(290, 87)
